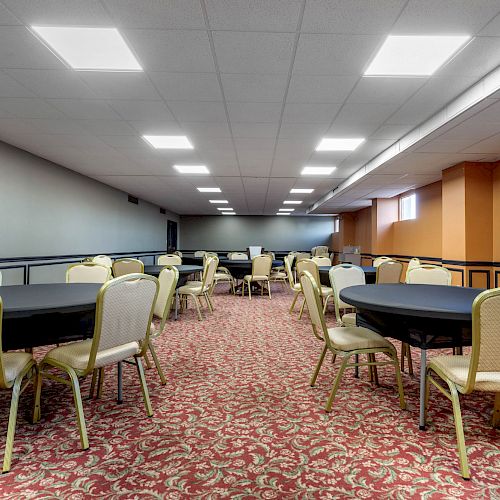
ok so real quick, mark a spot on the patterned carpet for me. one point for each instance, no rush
(238, 419)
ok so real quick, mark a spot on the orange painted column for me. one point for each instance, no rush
(384, 214)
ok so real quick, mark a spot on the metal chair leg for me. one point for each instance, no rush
(318, 366)
(157, 363)
(144, 387)
(329, 403)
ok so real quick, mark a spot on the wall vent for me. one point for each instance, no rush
(133, 199)
(163, 211)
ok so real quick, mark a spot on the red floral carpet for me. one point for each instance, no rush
(238, 419)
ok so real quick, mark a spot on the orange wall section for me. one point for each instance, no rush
(496, 213)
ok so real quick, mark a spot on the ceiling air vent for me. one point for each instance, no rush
(133, 199)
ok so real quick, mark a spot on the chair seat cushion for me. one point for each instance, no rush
(349, 338)
(223, 276)
(77, 354)
(256, 277)
(14, 363)
(279, 274)
(191, 288)
(349, 319)
(456, 368)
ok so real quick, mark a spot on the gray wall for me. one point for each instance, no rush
(49, 210)
(238, 232)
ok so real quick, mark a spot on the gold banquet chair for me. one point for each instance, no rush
(389, 272)
(197, 289)
(412, 264)
(346, 342)
(261, 272)
(379, 260)
(342, 276)
(168, 278)
(311, 267)
(88, 272)
(295, 287)
(121, 267)
(321, 260)
(14, 366)
(104, 260)
(124, 311)
(479, 371)
(169, 259)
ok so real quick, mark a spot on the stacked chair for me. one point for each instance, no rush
(261, 273)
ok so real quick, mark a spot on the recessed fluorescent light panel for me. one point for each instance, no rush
(168, 141)
(292, 202)
(89, 49)
(317, 170)
(282, 213)
(208, 190)
(301, 191)
(191, 169)
(228, 213)
(414, 55)
(339, 144)
(286, 209)
(220, 202)
(227, 209)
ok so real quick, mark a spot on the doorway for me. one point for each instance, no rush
(171, 235)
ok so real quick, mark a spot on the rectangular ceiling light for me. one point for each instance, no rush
(89, 49)
(286, 209)
(317, 170)
(301, 191)
(414, 55)
(208, 190)
(339, 144)
(168, 141)
(191, 169)
(228, 213)
(292, 202)
(220, 202)
(227, 209)
(282, 213)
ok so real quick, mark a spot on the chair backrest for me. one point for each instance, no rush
(179, 253)
(199, 253)
(254, 250)
(207, 255)
(312, 297)
(485, 338)
(412, 264)
(170, 259)
(379, 261)
(261, 265)
(127, 266)
(0, 278)
(322, 261)
(209, 270)
(124, 311)
(319, 251)
(88, 272)
(389, 272)
(4, 383)
(238, 256)
(288, 268)
(302, 255)
(310, 266)
(342, 276)
(104, 260)
(273, 256)
(168, 278)
(429, 275)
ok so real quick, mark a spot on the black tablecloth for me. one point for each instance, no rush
(425, 316)
(370, 274)
(184, 271)
(35, 315)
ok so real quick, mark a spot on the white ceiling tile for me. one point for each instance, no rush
(60, 12)
(85, 109)
(254, 130)
(29, 51)
(142, 110)
(310, 112)
(257, 15)
(120, 85)
(29, 108)
(201, 111)
(254, 112)
(156, 127)
(107, 127)
(172, 50)
(123, 141)
(157, 14)
(361, 113)
(445, 16)
(245, 52)
(385, 90)
(206, 129)
(345, 55)
(492, 28)
(350, 16)
(256, 170)
(393, 132)
(188, 86)
(62, 126)
(488, 146)
(7, 18)
(9, 87)
(303, 131)
(254, 88)
(320, 88)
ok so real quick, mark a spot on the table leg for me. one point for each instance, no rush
(495, 421)
(423, 367)
(120, 383)
(176, 310)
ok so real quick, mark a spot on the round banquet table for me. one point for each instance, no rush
(424, 316)
(370, 274)
(184, 271)
(239, 268)
(36, 315)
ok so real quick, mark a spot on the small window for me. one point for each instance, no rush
(408, 207)
(336, 225)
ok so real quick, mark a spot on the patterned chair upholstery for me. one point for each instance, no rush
(104, 260)
(170, 259)
(389, 272)
(342, 276)
(121, 267)
(311, 267)
(261, 272)
(88, 272)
